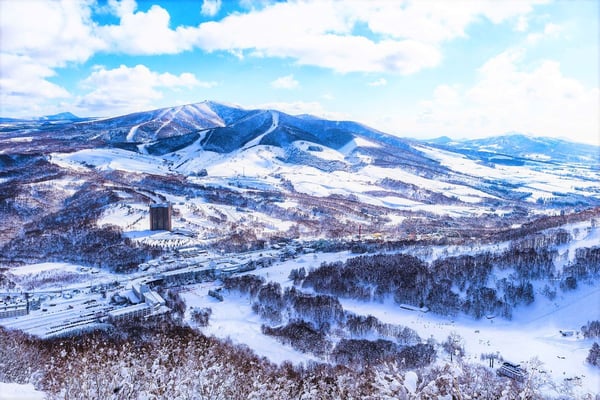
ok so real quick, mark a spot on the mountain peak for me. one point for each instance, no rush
(59, 117)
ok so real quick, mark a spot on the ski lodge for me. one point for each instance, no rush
(513, 371)
(152, 303)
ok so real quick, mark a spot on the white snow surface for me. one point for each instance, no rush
(533, 332)
(43, 267)
(16, 391)
(410, 381)
(235, 320)
(111, 159)
(43, 276)
(131, 134)
(541, 183)
(274, 125)
(265, 164)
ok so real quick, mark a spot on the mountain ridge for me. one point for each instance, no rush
(155, 124)
(318, 157)
(527, 147)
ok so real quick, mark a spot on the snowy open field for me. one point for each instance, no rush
(263, 167)
(53, 276)
(234, 318)
(540, 182)
(15, 391)
(532, 333)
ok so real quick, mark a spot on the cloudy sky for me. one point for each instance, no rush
(419, 69)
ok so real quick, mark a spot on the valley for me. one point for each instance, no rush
(308, 241)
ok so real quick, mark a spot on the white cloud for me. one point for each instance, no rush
(303, 107)
(442, 21)
(144, 32)
(23, 76)
(285, 82)
(509, 97)
(24, 87)
(342, 53)
(522, 24)
(403, 37)
(314, 33)
(254, 4)
(210, 8)
(36, 38)
(378, 82)
(406, 36)
(51, 32)
(551, 30)
(128, 89)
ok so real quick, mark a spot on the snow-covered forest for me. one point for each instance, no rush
(165, 360)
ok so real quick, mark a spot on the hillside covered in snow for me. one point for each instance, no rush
(327, 244)
(269, 174)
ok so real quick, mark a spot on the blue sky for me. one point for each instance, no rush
(422, 69)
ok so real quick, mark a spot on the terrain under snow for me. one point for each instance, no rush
(534, 331)
(252, 178)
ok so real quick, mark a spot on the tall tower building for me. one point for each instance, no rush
(160, 217)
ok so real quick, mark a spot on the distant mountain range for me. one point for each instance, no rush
(64, 116)
(321, 171)
(226, 128)
(522, 146)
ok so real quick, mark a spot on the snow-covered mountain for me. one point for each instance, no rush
(300, 172)
(63, 116)
(147, 126)
(525, 148)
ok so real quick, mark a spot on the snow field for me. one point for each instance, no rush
(15, 391)
(533, 332)
(262, 162)
(236, 321)
(193, 215)
(540, 183)
(234, 318)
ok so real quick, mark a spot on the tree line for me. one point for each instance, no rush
(455, 284)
